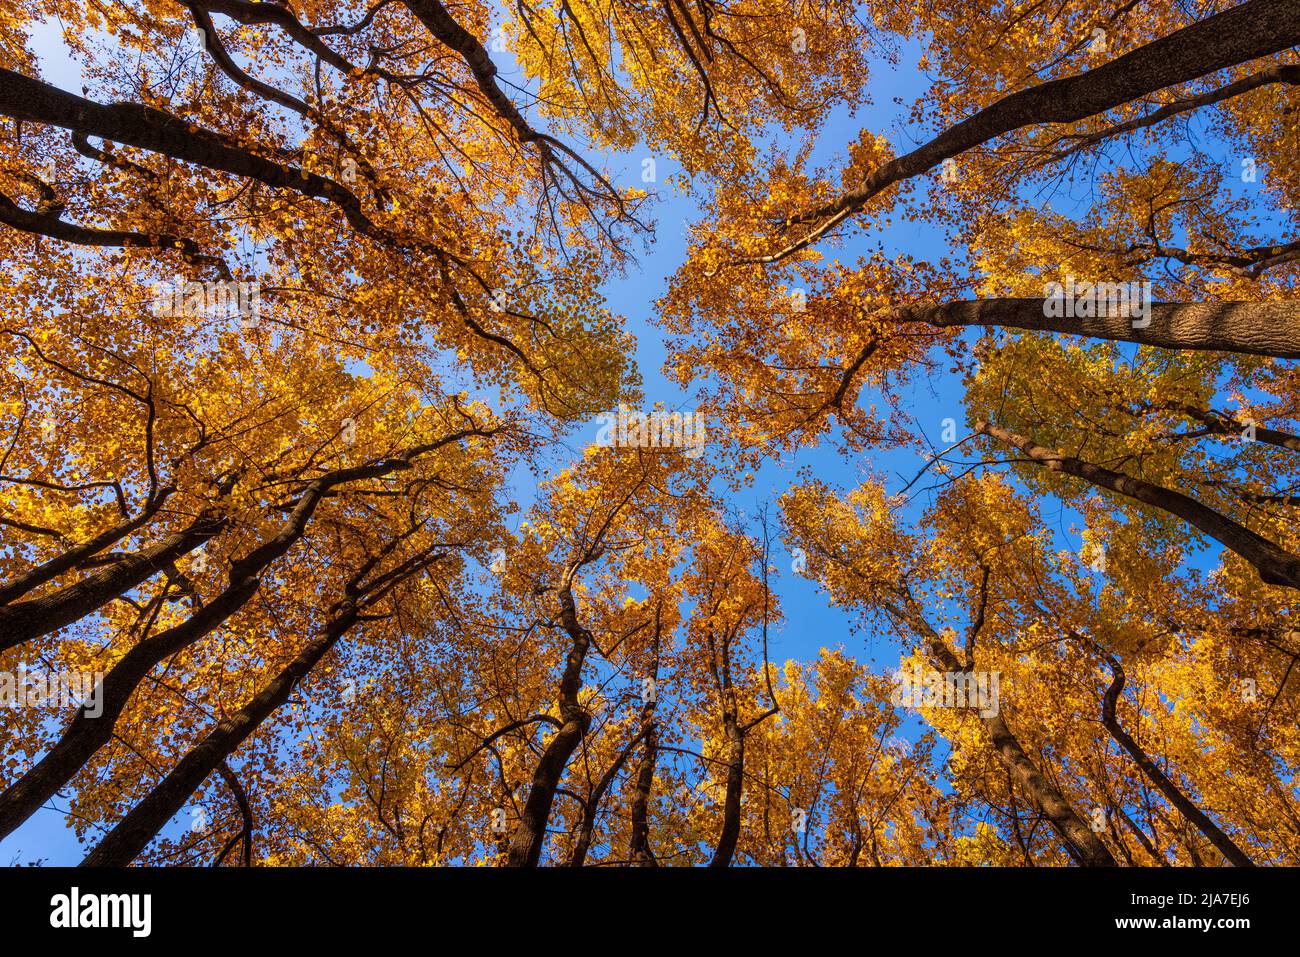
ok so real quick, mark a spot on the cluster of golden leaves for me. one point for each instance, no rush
(426, 240)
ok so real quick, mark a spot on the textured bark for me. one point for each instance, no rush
(132, 834)
(1248, 328)
(1287, 73)
(1275, 565)
(1086, 847)
(733, 729)
(1167, 787)
(639, 851)
(133, 124)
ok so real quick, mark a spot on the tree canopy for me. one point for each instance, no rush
(305, 323)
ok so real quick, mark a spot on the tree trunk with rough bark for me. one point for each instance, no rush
(26, 620)
(1276, 566)
(725, 849)
(132, 834)
(1166, 786)
(530, 833)
(1247, 328)
(1080, 841)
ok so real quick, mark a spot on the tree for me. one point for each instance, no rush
(300, 297)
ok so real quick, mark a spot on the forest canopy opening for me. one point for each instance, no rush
(694, 433)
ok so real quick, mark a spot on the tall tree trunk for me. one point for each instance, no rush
(1080, 841)
(725, 849)
(1247, 328)
(35, 617)
(1079, 838)
(530, 833)
(638, 850)
(132, 834)
(1275, 565)
(1167, 787)
(733, 730)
